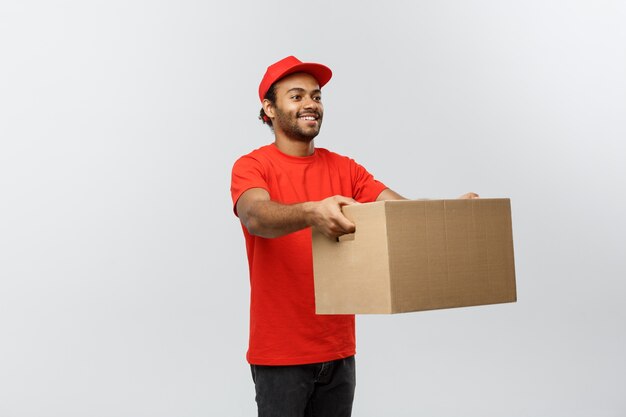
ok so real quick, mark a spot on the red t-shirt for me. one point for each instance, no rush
(284, 329)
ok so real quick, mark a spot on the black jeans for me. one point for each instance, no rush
(315, 390)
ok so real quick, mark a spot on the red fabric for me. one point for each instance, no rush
(289, 65)
(284, 329)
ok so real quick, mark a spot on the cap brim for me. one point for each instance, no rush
(322, 73)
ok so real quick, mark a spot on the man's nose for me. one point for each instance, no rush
(310, 103)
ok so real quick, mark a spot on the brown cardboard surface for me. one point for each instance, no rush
(417, 255)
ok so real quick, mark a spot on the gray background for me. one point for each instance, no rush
(123, 277)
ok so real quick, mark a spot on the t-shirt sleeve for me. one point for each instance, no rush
(365, 187)
(247, 173)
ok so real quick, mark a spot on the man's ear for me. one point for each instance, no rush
(268, 108)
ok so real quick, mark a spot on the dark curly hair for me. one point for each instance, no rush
(271, 96)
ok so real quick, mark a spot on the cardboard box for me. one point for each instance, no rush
(417, 255)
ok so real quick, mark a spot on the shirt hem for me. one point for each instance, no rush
(300, 360)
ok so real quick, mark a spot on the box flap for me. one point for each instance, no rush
(352, 274)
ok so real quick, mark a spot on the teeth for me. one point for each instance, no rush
(308, 118)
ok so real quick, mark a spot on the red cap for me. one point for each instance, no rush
(288, 66)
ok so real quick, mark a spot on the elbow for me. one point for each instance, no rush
(255, 219)
(249, 220)
(255, 227)
(252, 225)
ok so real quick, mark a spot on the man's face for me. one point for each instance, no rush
(298, 108)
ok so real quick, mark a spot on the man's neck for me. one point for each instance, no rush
(294, 147)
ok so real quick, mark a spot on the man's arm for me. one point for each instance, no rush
(266, 218)
(389, 194)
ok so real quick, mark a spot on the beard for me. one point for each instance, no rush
(289, 124)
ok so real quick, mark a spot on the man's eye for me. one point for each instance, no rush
(296, 97)
(318, 98)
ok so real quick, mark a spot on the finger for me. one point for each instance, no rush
(345, 225)
(345, 201)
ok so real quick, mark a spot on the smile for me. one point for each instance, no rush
(309, 117)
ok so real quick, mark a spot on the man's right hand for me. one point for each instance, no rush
(327, 217)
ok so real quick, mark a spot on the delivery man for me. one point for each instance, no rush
(302, 364)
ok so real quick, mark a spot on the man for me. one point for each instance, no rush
(302, 364)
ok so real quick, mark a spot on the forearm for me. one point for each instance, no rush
(270, 219)
(265, 218)
(389, 194)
